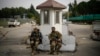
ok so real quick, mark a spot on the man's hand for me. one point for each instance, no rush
(31, 41)
(59, 39)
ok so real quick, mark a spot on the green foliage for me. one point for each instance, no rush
(65, 15)
(30, 15)
(33, 14)
(3, 22)
(84, 8)
(81, 8)
(73, 9)
(12, 12)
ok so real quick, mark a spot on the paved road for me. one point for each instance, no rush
(13, 43)
(86, 46)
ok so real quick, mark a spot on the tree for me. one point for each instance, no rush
(73, 9)
(90, 7)
(12, 12)
(21, 11)
(82, 8)
(34, 14)
(30, 15)
(94, 6)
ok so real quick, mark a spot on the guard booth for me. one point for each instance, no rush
(51, 16)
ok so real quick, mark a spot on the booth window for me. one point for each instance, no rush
(57, 17)
(46, 16)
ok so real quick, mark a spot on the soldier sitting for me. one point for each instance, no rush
(35, 39)
(55, 41)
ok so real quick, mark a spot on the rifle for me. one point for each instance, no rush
(56, 39)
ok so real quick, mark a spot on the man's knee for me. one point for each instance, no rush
(37, 42)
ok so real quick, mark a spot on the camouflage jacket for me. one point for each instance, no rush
(55, 35)
(35, 35)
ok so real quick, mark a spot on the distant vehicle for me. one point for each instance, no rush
(96, 30)
(13, 23)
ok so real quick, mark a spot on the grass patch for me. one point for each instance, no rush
(3, 23)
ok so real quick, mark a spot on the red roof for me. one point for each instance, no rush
(51, 4)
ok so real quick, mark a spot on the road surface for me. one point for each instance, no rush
(13, 43)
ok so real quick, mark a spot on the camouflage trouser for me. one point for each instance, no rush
(55, 46)
(34, 45)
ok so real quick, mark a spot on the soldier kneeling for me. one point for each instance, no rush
(55, 38)
(35, 39)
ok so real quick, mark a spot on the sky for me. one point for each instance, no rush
(27, 3)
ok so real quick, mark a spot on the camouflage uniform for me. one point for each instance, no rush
(35, 39)
(55, 42)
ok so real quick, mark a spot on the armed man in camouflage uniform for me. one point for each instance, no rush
(55, 38)
(35, 39)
